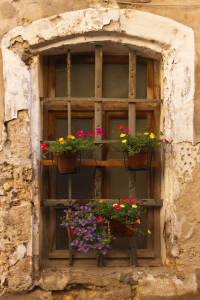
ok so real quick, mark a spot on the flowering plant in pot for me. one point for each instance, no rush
(66, 150)
(138, 147)
(124, 217)
(91, 226)
(88, 228)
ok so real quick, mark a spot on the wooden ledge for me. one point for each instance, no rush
(101, 163)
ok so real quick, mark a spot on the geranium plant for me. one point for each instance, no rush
(72, 143)
(90, 223)
(134, 144)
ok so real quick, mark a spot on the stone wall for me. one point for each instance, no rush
(19, 140)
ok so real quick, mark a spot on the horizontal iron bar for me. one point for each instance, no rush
(70, 202)
(93, 99)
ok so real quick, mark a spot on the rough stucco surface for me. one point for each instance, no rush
(151, 34)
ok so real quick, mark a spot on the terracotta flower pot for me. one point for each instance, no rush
(139, 160)
(120, 230)
(70, 230)
(66, 162)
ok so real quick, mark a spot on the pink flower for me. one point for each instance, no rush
(126, 131)
(99, 219)
(166, 141)
(131, 199)
(99, 132)
(80, 134)
(90, 133)
(117, 206)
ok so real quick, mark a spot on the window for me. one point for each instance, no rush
(84, 92)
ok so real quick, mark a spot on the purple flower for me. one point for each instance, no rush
(64, 210)
(61, 224)
(66, 224)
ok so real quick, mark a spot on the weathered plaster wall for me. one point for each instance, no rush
(19, 200)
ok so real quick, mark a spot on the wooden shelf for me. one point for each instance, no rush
(101, 163)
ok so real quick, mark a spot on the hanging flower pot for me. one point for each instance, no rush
(139, 160)
(69, 229)
(66, 162)
(120, 230)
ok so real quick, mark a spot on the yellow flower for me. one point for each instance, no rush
(70, 137)
(146, 133)
(122, 205)
(149, 231)
(122, 135)
(134, 206)
(114, 204)
(100, 201)
(124, 141)
(61, 139)
(152, 136)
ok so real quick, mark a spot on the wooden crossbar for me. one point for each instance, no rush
(100, 163)
(97, 99)
(70, 202)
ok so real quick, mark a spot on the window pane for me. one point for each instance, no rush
(62, 239)
(116, 81)
(61, 80)
(82, 80)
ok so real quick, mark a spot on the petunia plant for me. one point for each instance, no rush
(72, 143)
(90, 229)
(133, 144)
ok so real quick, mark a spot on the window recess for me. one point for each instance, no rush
(67, 107)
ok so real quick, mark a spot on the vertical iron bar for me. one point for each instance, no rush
(132, 127)
(98, 123)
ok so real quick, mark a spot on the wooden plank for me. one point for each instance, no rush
(141, 253)
(101, 163)
(90, 59)
(98, 116)
(132, 114)
(100, 99)
(51, 77)
(69, 121)
(80, 106)
(70, 202)
(157, 155)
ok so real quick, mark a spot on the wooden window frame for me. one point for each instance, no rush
(49, 108)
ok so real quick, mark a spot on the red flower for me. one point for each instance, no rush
(124, 200)
(44, 146)
(120, 127)
(99, 219)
